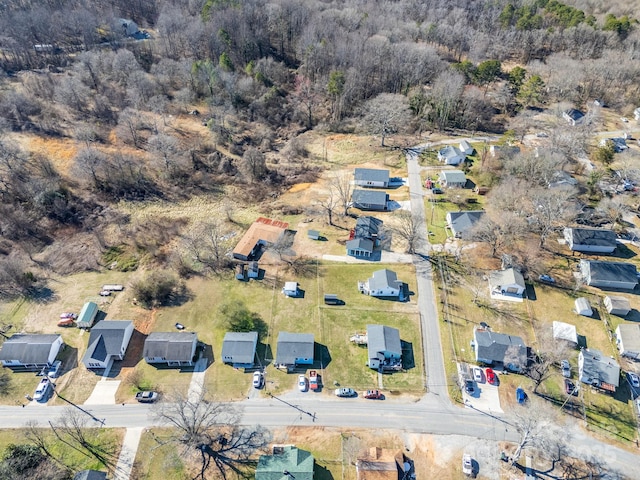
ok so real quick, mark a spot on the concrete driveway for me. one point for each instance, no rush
(104, 393)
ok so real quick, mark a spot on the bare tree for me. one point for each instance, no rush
(551, 209)
(253, 165)
(550, 352)
(613, 209)
(533, 425)
(342, 188)
(328, 204)
(209, 244)
(386, 114)
(406, 227)
(498, 233)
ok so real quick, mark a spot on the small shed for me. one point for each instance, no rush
(566, 332)
(582, 307)
(617, 305)
(290, 289)
(241, 272)
(313, 234)
(253, 270)
(87, 315)
(113, 287)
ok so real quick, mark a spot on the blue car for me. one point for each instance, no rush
(520, 395)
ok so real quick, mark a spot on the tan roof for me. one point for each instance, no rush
(262, 229)
(379, 464)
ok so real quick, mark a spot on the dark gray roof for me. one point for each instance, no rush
(463, 222)
(596, 366)
(449, 151)
(371, 175)
(28, 348)
(174, 346)
(496, 346)
(381, 338)
(382, 279)
(360, 244)
(453, 176)
(371, 197)
(593, 236)
(292, 346)
(90, 475)
(241, 346)
(612, 271)
(105, 339)
(367, 227)
(574, 114)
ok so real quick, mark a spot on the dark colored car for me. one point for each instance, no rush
(373, 395)
(570, 388)
(436, 191)
(469, 387)
(520, 395)
(491, 376)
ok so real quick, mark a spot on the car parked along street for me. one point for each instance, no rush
(345, 392)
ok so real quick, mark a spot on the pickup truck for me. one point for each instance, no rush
(314, 380)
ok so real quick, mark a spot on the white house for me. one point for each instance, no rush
(290, 289)
(628, 340)
(383, 283)
(461, 223)
(617, 305)
(175, 349)
(466, 148)
(590, 240)
(371, 178)
(30, 351)
(598, 370)
(108, 341)
(451, 155)
(499, 349)
(506, 284)
(453, 178)
(239, 349)
(384, 348)
(609, 274)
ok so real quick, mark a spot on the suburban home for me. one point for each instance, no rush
(87, 315)
(239, 349)
(294, 349)
(628, 340)
(500, 350)
(609, 274)
(26, 351)
(503, 150)
(90, 475)
(453, 179)
(369, 200)
(560, 178)
(383, 283)
(619, 144)
(582, 307)
(573, 116)
(451, 155)
(617, 305)
(364, 237)
(590, 240)
(176, 349)
(286, 463)
(371, 178)
(598, 370)
(108, 341)
(384, 348)
(381, 464)
(262, 232)
(507, 284)
(565, 332)
(466, 148)
(461, 223)
(359, 247)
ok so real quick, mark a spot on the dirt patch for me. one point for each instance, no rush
(299, 187)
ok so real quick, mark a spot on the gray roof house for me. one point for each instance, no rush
(239, 349)
(90, 475)
(383, 283)
(294, 349)
(286, 463)
(461, 223)
(371, 178)
(365, 237)
(175, 349)
(609, 274)
(506, 284)
(451, 155)
(617, 305)
(30, 351)
(384, 348)
(453, 178)
(598, 370)
(628, 340)
(108, 341)
(573, 116)
(590, 240)
(359, 247)
(499, 349)
(369, 200)
(466, 148)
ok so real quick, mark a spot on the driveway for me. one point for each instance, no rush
(104, 393)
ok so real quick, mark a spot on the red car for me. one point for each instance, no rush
(373, 395)
(491, 376)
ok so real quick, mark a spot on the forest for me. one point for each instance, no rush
(111, 78)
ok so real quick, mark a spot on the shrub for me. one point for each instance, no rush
(159, 288)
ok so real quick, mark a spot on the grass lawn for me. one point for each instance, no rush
(437, 206)
(157, 458)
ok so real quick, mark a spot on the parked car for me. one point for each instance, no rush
(633, 379)
(546, 278)
(491, 376)
(64, 315)
(570, 388)
(54, 370)
(105, 293)
(373, 395)
(67, 322)
(258, 379)
(436, 191)
(42, 390)
(146, 397)
(467, 464)
(520, 395)
(566, 368)
(345, 392)
(477, 374)
(302, 383)
(468, 386)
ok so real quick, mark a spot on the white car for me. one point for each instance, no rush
(302, 383)
(477, 374)
(54, 370)
(42, 390)
(633, 379)
(467, 464)
(258, 379)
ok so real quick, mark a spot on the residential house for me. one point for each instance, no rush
(108, 341)
(26, 351)
(90, 475)
(262, 232)
(503, 151)
(383, 283)
(590, 240)
(286, 463)
(87, 315)
(617, 305)
(294, 349)
(453, 179)
(239, 349)
(466, 148)
(566, 332)
(359, 247)
(598, 370)
(500, 350)
(506, 284)
(560, 178)
(573, 116)
(451, 155)
(253, 270)
(609, 274)
(380, 464)
(628, 340)
(175, 349)
(364, 237)
(384, 348)
(619, 144)
(461, 223)
(371, 178)
(369, 200)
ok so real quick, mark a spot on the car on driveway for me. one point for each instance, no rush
(54, 369)
(469, 387)
(477, 374)
(146, 397)
(467, 464)
(258, 379)
(633, 379)
(520, 395)
(491, 375)
(437, 191)
(546, 278)
(345, 392)
(566, 368)
(42, 390)
(302, 383)
(570, 388)
(373, 395)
